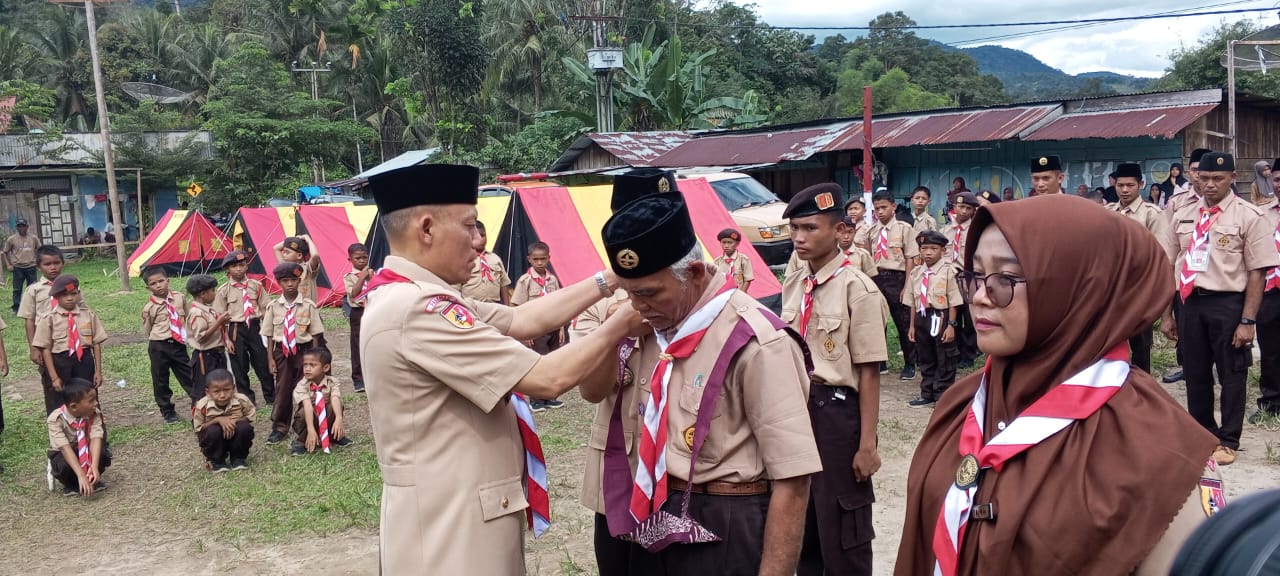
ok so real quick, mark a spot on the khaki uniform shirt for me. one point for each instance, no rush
(51, 329)
(1178, 202)
(328, 386)
(527, 289)
(1144, 213)
(155, 315)
(924, 221)
(954, 252)
(62, 434)
(481, 290)
(944, 290)
(305, 314)
(847, 326)
(239, 408)
(1271, 214)
(439, 371)
(349, 281)
(21, 250)
(760, 428)
(35, 300)
(593, 474)
(861, 259)
(902, 244)
(741, 266)
(229, 299)
(307, 286)
(1239, 241)
(201, 335)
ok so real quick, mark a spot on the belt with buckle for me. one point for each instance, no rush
(722, 488)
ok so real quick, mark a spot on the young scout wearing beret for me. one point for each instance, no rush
(892, 243)
(164, 321)
(205, 332)
(735, 265)
(245, 300)
(934, 298)
(70, 337)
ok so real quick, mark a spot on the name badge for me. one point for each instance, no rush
(1198, 258)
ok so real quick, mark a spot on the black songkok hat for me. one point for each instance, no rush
(1129, 170)
(425, 184)
(639, 183)
(1046, 164)
(648, 235)
(1217, 162)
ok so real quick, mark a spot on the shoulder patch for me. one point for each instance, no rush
(1212, 498)
(458, 315)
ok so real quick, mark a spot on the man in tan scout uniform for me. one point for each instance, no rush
(1221, 247)
(19, 254)
(1046, 175)
(440, 373)
(892, 244)
(1129, 190)
(721, 383)
(842, 316)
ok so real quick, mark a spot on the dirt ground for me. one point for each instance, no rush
(131, 543)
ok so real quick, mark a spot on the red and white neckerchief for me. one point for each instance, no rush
(882, 244)
(290, 344)
(538, 513)
(382, 278)
(924, 290)
(542, 282)
(74, 346)
(1273, 275)
(955, 242)
(729, 271)
(1199, 241)
(1079, 397)
(811, 283)
(246, 301)
(176, 330)
(650, 490)
(322, 415)
(81, 427)
(486, 271)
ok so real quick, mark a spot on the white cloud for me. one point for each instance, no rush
(1135, 47)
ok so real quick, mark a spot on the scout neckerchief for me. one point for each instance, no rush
(382, 278)
(322, 415)
(486, 272)
(538, 514)
(1273, 275)
(81, 426)
(176, 330)
(955, 242)
(649, 491)
(924, 289)
(290, 344)
(245, 300)
(811, 283)
(541, 282)
(728, 275)
(74, 346)
(1079, 397)
(882, 244)
(1199, 245)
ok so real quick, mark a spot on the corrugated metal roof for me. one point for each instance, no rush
(638, 148)
(753, 148)
(973, 126)
(1156, 122)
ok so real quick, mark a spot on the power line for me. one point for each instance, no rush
(1015, 35)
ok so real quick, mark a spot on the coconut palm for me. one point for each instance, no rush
(62, 36)
(196, 53)
(521, 34)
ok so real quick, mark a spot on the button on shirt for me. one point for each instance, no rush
(902, 244)
(944, 290)
(230, 300)
(1144, 213)
(305, 314)
(155, 316)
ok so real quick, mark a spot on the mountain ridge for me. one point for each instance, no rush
(1025, 77)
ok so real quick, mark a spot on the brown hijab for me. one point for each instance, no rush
(1096, 497)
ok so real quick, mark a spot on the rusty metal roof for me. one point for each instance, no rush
(756, 147)
(1156, 122)
(631, 148)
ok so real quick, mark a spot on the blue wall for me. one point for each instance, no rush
(96, 217)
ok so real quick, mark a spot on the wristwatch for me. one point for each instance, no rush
(952, 323)
(602, 285)
(1248, 321)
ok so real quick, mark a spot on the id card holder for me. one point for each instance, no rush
(1198, 258)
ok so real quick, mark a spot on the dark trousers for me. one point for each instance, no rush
(357, 370)
(891, 283)
(937, 360)
(52, 398)
(250, 352)
(216, 448)
(300, 423)
(1176, 309)
(65, 368)
(1269, 344)
(65, 471)
(966, 335)
(1207, 324)
(288, 372)
(202, 363)
(737, 520)
(838, 530)
(169, 356)
(22, 277)
(1140, 349)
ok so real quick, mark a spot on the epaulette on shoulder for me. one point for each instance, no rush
(766, 325)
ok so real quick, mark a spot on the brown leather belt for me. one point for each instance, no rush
(722, 488)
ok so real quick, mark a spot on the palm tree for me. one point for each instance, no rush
(17, 58)
(519, 32)
(196, 53)
(62, 36)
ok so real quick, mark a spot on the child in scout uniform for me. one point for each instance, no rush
(934, 296)
(205, 332)
(78, 452)
(317, 399)
(489, 280)
(223, 421)
(164, 321)
(892, 244)
(244, 299)
(70, 337)
(859, 257)
(856, 210)
(35, 303)
(302, 251)
(920, 210)
(735, 265)
(537, 282)
(294, 326)
(842, 316)
(1128, 184)
(957, 233)
(353, 283)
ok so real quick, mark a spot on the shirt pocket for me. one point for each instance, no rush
(691, 396)
(832, 334)
(1227, 239)
(1184, 231)
(502, 497)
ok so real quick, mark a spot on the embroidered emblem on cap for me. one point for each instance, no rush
(664, 186)
(824, 200)
(628, 259)
(293, 245)
(1044, 161)
(735, 236)
(239, 257)
(1221, 160)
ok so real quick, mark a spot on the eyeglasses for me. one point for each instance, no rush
(999, 286)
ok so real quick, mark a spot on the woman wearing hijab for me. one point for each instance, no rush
(1174, 184)
(1090, 468)
(1261, 190)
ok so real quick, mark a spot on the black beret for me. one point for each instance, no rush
(1197, 154)
(287, 270)
(425, 184)
(21, 222)
(729, 233)
(931, 237)
(990, 196)
(1128, 170)
(297, 244)
(1046, 164)
(968, 199)
(201, 282)
(1217, 162)
(648, 235)
(638, 183)
(815, 199)
(62, 283)
(235, 257)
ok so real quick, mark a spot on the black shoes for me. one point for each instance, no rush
(920, 403)
(218, 467)
(238, 464)
(908, 373)
(170, 418)
(1172, 377)
(297, 449)
(344, 441)
(275, 437)
(358, 387)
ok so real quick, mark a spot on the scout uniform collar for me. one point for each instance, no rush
(1133, 206)
(416, 273)
(831, 268)
(1224, 204)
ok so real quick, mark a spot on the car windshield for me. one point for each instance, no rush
(740, 193)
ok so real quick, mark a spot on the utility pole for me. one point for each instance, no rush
(317, 168)
(359, 156)
(604, 59)
(104, 125)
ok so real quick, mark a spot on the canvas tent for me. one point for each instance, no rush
(491, 211)
(183, 242)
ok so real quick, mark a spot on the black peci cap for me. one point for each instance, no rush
(638, 183)
(1217, 162)
(425, 184)
(1197, 154)
(648, 235)
(1128, 170)
(1046, 164)
(815, 199)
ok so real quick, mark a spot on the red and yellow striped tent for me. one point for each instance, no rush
(183, 242)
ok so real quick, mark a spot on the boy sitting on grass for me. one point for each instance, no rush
(224, 423)
(78, 452)
(317, 420)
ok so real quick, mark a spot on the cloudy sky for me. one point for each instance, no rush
(1138, 47)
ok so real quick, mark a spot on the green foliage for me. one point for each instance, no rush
(1200, 66)
(165, 165)
(35, 103)
(533, 148)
